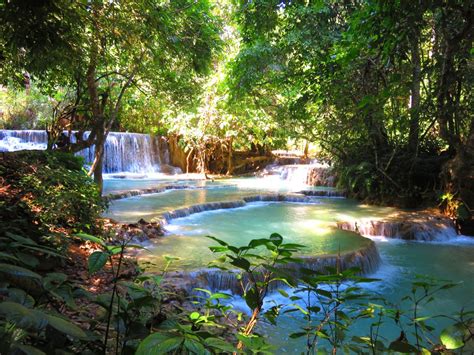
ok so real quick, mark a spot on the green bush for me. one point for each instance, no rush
(51, 188)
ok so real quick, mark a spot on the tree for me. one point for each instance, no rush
(159, 47)
(383, 87)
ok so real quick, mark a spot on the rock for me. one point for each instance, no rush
(321, 176)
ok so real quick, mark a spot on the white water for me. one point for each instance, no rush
(294, 175)
(124, 152)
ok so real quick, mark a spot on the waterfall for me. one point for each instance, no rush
(367, 259)
(124, 152)
(212, 206)
(22, 140)
(324, 193)
(420, 227)
(300, 175)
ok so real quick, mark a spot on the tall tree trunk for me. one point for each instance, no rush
(413, 137)
(97, 165)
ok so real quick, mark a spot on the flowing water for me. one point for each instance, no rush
(448, 257)
(124, 152)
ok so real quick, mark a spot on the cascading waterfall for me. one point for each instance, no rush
(300, 175)
(124, 152)
(131, 152)
(212, 206)
(411, 227)
(367, 259)
(22, 140)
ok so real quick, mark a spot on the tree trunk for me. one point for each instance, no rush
(414, 133)
(230, 167)
(97, 165)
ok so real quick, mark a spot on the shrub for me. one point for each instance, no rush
(50, 188)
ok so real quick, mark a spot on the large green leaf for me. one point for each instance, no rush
(276, 239)
(66, 327)
(23, 317)
(27, 350)
(19, 296)
(158, 344)
(18, 271)
(220, 344)
(452, 336)
(194, 347)
(241, 263)
(85, 236)
(96, 261)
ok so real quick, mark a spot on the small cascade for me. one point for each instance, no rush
(156, 190)
(13, 140)
(300, 175)
(280, 198)
(212, 206)
(420, 227)
(366, 259)
(124, 152)
(324, 193)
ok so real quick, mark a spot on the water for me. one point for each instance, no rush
(150, 207)
(451, 258)
(132, 155)
(297, 223)
(402, 262)
(124, 152)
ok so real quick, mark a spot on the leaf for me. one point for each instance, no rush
(5, 256)
(18, 271)
(158, 344)
(220, 344)
(452, 337)
(20, 238)
(276, 239)
(23, 317)
(194, 316)
(66, 327)
(218, 249)
(324, 293)
(21, 297)
(251, 298)
(114, 249)
(96, 261)
(254, 243)
(194, 347)
(27, 350)
(91, 238)
(220, 295)
(221, 242)
(402, 347)
(241, 263)
(297, 335)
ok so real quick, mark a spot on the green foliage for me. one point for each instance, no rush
(365, 81)
(52, 189)
(22, 109)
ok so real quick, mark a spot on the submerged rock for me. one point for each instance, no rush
(139, 232)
